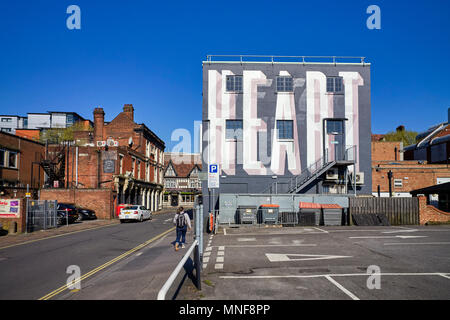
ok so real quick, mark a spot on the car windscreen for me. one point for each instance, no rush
(131, 208)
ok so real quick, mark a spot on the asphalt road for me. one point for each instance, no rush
(325, 263)
(36, 270)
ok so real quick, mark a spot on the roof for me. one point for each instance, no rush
(310, 205)
(438, 188)
(434, 135)
(272, 59)
(377, 137)
(182, 163)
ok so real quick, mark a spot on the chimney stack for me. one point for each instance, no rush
(99, 123)
(129, 111)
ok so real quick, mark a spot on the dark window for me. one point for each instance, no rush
(285, 129)
(334, 127)
(285, 84)
(6, 129)
(6, 120)
(2, 158)
(334, 84)
(234, 129)
(69, 119)
(12, 159)
(234, 83)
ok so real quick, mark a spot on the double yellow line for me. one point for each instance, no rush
(107, 264)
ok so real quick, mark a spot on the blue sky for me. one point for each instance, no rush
(149, 54)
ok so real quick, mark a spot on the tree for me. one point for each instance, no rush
(58, 135)
(401, 134)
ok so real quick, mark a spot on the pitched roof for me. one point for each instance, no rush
(182, 163)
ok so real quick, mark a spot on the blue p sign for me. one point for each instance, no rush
(213, 168)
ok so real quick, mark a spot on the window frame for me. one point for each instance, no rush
(334, 81)
(285, 89)
(283, 138)
(234, 137)
(234, 89)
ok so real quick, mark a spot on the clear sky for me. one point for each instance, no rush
(149, 54)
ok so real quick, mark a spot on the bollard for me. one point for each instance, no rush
(13, 227)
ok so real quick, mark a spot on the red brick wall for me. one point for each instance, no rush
(383, 150)
(21, 221)
(429, 213)
(99, 200)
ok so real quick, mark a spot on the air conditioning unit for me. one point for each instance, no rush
(101, 143)
(359, 178)
(116, 143)
(332, 174)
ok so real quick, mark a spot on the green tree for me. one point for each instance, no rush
(401, 134)
(58, 135)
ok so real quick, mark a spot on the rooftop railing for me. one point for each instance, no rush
(292, 59)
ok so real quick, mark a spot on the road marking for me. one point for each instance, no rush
(206, 254)
(206, 259)
(221, 248)
(414, 243)
(324, 231)
(351, 295)
(59, 235)
(107, 264)
(224, 231)
(338, 275)
(282, 257)
(220, 253)
(218, 266)
(208, 249)
(405, 230)
(246, 239)
(269, 245)
(386, 237)
(205, 265)
(219, 259)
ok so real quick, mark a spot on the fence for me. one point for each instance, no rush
(399, 211)
(41, 214)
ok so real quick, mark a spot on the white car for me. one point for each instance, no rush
(139, 213)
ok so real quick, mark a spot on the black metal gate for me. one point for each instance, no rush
(41, 214)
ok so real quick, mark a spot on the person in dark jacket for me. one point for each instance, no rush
(182, 221)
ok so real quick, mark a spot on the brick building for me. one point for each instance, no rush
(181, 180)
(19, 158)
(122, 156)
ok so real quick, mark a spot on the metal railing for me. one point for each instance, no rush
(298, 59)
(41, 215)
(194, 248)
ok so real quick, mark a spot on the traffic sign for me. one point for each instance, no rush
(213, 176)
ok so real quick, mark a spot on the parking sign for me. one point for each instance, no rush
(213, 176)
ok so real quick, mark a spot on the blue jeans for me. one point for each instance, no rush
(181, 235)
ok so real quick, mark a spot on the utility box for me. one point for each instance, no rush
(310, 214)
(332, 214)
(269, 213)
(247, 214)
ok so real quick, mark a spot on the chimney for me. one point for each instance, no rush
(99, 122)
(129, 111)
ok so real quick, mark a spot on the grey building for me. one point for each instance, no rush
(287, 125)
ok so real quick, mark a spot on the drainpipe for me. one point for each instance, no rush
(76, 167)
(390, 183)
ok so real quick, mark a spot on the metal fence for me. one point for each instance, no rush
(399, 211)
(41, 214)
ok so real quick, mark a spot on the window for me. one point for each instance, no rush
(285, 84)
(69, 119)
(6, 129)
(334, 127)
(334, 84)
(138, 169)
(234, 83)
(398, 183)
(285, 129)
(120, 164)
(234, 129)
(12, 159)
(6, 120)
(133, 166)
(2, 158)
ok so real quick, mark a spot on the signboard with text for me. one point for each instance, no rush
(9, 208)
(213, 176)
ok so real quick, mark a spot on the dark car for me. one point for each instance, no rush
(66, 212)
(85, 213)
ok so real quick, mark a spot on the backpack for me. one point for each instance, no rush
(181, 220)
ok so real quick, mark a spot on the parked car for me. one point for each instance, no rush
(66, 212)
(134, 212)
(85, 213)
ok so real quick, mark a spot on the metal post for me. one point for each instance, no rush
(197, 265)
(45, 214)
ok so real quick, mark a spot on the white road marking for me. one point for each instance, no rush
(405, 230)
(339, 275)
(218, 266)
(351, 295)
(224, 231)
(205, 265)
(386, 237)
(270, 245)
(246, 239)
(219, 259)
(206, 254)
(282, 257)
(208, 249)
(221, 248)
(415, 243)
(324, 231)
(138, 254)
(206, 259)
(220, 253)
(444, 275)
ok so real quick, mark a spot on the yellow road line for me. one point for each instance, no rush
(59, 235)
(103, 266)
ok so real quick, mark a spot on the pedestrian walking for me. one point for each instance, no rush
(182, 221)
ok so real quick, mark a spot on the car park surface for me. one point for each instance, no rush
(322, 263)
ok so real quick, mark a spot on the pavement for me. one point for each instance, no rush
(325, 263)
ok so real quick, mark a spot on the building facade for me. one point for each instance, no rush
(19, 166)
(266, 123)
(181, 179)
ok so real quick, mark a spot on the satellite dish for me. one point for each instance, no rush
(130, 141)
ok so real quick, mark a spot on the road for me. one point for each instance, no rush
(36, 270)
(304, 263)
